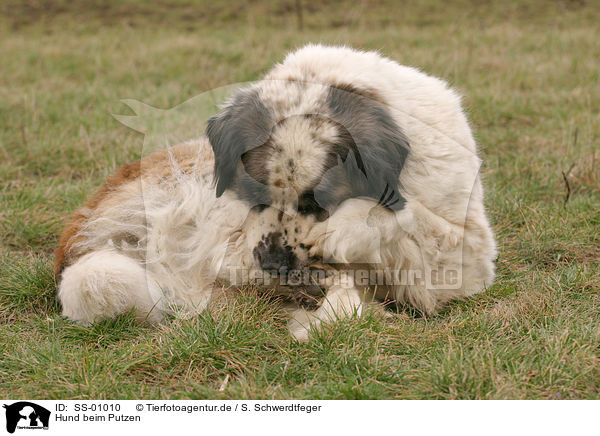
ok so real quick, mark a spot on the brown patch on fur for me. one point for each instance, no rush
(156, 165)
(366, 93)
(126, 173)
(316, 121)
(255, 162)
(302, 77)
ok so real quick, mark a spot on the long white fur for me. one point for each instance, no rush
(187, 239)
(104, 283)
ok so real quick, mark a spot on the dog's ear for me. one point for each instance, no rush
(371, 144)
(241, 126)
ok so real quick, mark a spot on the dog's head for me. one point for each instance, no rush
(295, 151)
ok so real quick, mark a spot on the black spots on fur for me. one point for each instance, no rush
(371, 144)
(243, 125)
(274, 254)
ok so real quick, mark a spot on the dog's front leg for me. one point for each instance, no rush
(341, 300)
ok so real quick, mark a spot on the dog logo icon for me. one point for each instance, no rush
(26, 415)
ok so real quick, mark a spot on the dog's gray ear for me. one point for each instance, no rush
(374, 146)
(242, 125)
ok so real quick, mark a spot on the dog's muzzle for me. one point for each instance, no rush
(271, 255)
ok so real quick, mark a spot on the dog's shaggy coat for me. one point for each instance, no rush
(337, 158)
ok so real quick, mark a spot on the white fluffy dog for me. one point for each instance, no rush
(340, 172)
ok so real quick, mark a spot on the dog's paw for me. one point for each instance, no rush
(301, 323)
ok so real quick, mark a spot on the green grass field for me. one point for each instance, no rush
(529, 73)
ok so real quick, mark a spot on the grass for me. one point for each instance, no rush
(529, 71)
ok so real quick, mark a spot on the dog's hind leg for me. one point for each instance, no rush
(105, 283)
(342, 300)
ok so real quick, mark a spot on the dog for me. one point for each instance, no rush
(340, 175)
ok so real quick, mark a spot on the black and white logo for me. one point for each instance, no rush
(26, 415)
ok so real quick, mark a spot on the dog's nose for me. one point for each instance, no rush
(272, 255)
